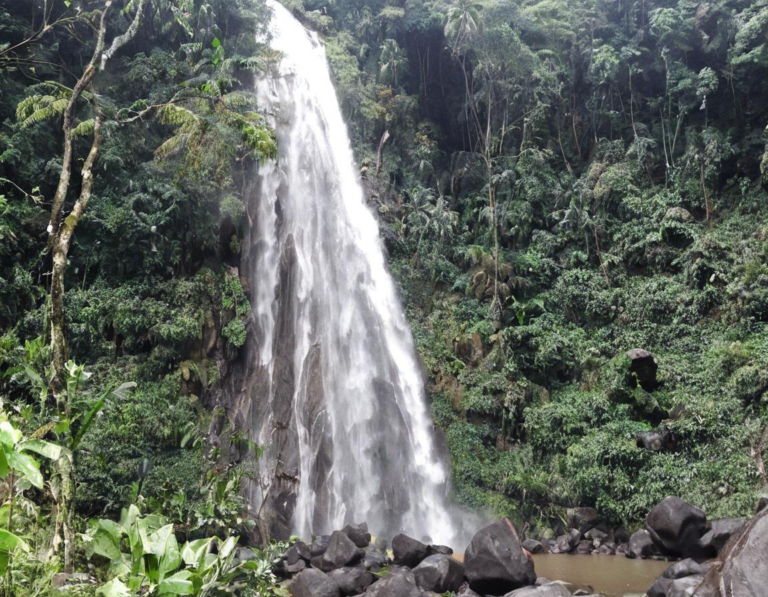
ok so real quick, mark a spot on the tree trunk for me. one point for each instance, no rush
(62, 243)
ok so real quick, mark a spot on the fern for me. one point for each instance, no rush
(39, 108)
(172, 146)
(84, 129)
(174, 115)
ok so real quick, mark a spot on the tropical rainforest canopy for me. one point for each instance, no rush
(557, 183)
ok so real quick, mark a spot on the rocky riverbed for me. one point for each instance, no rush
(719, 558)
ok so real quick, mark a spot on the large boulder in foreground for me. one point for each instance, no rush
(400, 582)
(407, 551)
(314, 583)
(743, 566)
(439, 573)
(341, 552)
(495, 562)
(677, 527)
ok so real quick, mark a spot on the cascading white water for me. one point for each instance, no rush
(341, 407)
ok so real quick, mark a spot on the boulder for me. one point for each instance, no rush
(314, 583)
(296, 567)
(465, 591)
(597, 536)
(495, 562)
(644, 368)
(341, 552)
(606, 550)
(640, 545)
(677, 527)
(244, 554)
(443, 549)
(584, 547)
(304, 551)
(583, 518)
(399, 582)
(358, 534)
(68, 579)
(553, 589)
(657, 440)
(292, 555)
(374, 560)
(720, 532)
(352, 581)
(621, 535)
(532, 546)
(684, 587)
(683, 568)
(659, 588)
(563, 544)
(622, 549)
(407, 551)
(439, 573)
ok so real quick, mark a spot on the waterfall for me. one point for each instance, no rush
(333, 390)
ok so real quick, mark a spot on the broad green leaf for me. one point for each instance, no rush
(107, 545)
(9, 436)
(228, 547)
(194, 552)
(164, 546)
(114, 588)
(87, 423)
(216, 43)
(8, 544)
(27, 466)
(4, 466)
(178, 584)
(45, 449)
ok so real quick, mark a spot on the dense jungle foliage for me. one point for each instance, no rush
(558, 183)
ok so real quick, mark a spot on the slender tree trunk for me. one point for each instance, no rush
(707, 202)
(61, 248)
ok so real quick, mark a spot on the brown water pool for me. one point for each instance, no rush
(614, 576)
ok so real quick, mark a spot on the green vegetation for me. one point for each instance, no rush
(558, 183)
(128, 130)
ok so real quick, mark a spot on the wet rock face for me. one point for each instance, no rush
(677, 527)
(314, 583)
(407, 551)
(439, 573)
(495, 562)
(743, 565)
